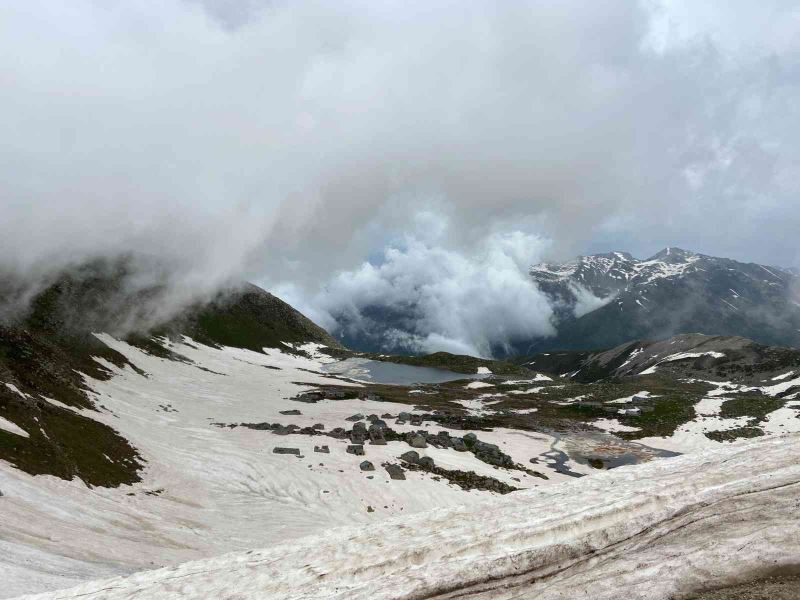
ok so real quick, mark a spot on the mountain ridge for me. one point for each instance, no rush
(674, 291)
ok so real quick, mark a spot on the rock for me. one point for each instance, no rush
(459, 445)
(336, 394)
(376, 436)
(411, 457)
(357, 417)
(400, 422)
(426, 462)
(417, 441)
(367, 466)
(338, 433)
(404, 416)
(370, 509)
(395, 472)
(386, 416)
(290, 412)
(416, 420)
(279, 450)
(358, 436)
(318, 426)
(372, 418)
(470, 437)
(322, 449)
(357, 449)
(309, 397)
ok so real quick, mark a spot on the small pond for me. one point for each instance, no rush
(376, 371)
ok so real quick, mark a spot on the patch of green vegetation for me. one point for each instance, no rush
(756, 407)
(668, 413)
(730, 435)
(459, 363)
(253, 319)
(73, 446)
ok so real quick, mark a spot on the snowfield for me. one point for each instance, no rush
(208, 489)
(653, 531)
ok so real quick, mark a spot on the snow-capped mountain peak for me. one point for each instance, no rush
(673, 291)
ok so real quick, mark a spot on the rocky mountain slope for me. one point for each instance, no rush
(674, 291)
(711, 358)
(49, 349)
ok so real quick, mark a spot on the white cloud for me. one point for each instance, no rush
(422, 296)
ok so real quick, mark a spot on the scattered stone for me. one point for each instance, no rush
(357, 417)
(370, 509)
(386, 416)
(372, 418)
(359, 426)
(309, 397)
(338, 433)
(416, 420)
(318, 426)
(410, 457)
(290, 412)
(404, 416)
(367, 466)
(357, 449)
(358, 436)
(395, 472)
(459, 445)
(336, 394)
(426, 462)
(376, 437)
(417, 441)
(279, 450)
(322, 449)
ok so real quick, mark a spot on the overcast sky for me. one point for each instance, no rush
(290, 142)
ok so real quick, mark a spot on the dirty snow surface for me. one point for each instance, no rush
(652, 531)
(207, 489)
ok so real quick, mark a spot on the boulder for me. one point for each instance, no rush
(411, 457)
(356, 417)
(357, 449)
(290, 412)
(338, 433)
(459, 445)
(395, 472)
(426, 462)
(367, 466)
(279, 450)
(417, 441)
(318, 426)
(322, 449)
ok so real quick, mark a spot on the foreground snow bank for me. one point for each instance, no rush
(652, 531)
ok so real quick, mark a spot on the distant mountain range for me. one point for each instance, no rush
(672, 292)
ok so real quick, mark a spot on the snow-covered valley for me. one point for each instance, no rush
(211, 485)
(208, 489)
(657, 531)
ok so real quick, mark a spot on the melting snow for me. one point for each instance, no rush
(10, 427)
